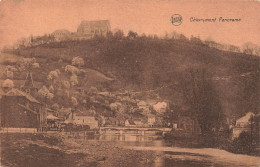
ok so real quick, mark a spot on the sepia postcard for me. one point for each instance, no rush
(130, 83)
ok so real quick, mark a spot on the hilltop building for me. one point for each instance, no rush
(61, 35)
(88, 29)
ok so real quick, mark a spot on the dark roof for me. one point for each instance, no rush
(52, 117)
(85, 113)
(64, 113)
(131, 122)
(27, 108)
(16, 92)
(137, 119)
(95, 23)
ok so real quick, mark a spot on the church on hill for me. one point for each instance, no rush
(86, 30)
(92, 28)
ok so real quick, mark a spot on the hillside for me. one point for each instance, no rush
(154, 67)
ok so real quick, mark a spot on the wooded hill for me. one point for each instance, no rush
(157, 68)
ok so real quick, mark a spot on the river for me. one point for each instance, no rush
(173, 153)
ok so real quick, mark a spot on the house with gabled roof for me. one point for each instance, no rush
(20, 110)
(63, 113)
(82, 118)
(130, 123)
(243, 124)
(138, 122)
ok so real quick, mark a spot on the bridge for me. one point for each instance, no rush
(121, 129)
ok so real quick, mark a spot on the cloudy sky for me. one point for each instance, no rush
(21, 18)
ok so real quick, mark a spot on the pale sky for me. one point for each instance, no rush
(22, 18)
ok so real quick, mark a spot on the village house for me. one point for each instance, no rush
(243, 124)
(143, 107)
(20, 109)
(52, 122)
(139, 122)
(135, 122)
(52, 119)
(82, 118)
(63, 113)
(130, 123)
(28, 85)
(110, 121)
(151, 120)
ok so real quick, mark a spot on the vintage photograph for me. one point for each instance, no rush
(133, 83)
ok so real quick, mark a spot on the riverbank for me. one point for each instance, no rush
(54, 150)
(211, 154)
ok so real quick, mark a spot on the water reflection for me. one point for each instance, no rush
(133, 139)
(151, 139)
(136, 139)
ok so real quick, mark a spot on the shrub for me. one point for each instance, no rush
(78, 61)
(242, 144)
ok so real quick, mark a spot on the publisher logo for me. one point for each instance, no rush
(176, 19)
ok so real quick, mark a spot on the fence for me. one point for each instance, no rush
(18, 130)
